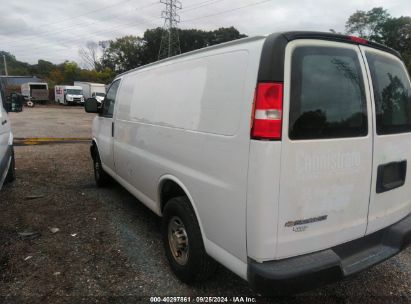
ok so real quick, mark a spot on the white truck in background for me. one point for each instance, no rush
(68, 95)
(34, 92)
(92, 90)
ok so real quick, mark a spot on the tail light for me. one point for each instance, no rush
(268, 112)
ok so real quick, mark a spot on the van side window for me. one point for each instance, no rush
(392, 94)
(110, 100)
(327, 94)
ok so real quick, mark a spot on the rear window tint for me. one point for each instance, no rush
(327, 94)
(392, 94)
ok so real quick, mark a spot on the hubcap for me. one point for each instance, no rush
(178, 240)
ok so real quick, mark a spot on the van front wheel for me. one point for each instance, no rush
(183, 242)
(101, 177)
(11, 174)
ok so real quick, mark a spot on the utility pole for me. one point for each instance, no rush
(170, 42)
(5, 66)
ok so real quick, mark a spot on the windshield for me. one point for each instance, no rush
(100, 94)
(74, 92)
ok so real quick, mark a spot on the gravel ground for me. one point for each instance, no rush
(52, 121)
(108, 247)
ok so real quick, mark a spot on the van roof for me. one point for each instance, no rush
(278, 41)
(208, 48)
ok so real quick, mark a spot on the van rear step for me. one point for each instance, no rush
(308, 271)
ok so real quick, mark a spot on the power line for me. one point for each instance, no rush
(68, 28)
(201, 4)
(176, 17)
(170, 42)
(78, 39)
(23, 43)
(228, 11)
(76, 17)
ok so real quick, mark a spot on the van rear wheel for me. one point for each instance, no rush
(183, 242)
(101, 177)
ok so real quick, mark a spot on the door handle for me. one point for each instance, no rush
(112, 129)
(3, 122)
(391, 176)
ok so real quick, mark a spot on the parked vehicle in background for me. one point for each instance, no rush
(92, 90)
(98, 96)
(284, 157)
(7, 166)
(68, 95)
(35, 92)
(14, 102)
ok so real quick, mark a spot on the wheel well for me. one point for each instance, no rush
(169, 190)
(93, 149)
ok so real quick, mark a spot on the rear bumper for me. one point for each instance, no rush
(316, 269)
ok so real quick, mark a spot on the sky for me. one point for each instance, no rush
(57, 30)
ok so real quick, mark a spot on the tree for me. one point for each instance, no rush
(224, 35)
(43, 68)
(377, 25)
(124, 54)
(71, 72)
(14, 66)
(90, 56)
(368, 24)
(130, 52)
(56, 77)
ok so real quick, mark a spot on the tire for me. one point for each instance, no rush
(11, 174)
(190, 262)
(100, 176)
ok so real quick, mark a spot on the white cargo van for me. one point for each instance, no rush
(284, 157)
(68, 95)
(7, 170)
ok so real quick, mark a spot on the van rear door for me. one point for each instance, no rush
(390, 199)
(326, 158)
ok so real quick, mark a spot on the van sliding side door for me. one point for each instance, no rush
(390, 199)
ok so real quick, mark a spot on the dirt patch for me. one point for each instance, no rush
(108, 247)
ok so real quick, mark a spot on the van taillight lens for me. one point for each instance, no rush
(268, 111)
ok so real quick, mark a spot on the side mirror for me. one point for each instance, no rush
(91, 106)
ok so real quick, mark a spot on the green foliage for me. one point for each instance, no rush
(397, 34)
(130, 52)
(124, 53)
(379, 26)
(368, 24)
(14, 66)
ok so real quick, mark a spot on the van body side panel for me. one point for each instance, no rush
(262, 199)
(325, 177)
(389, 79)
(5, 147)
(190, 118)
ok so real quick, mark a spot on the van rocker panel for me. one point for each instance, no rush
(316, 269)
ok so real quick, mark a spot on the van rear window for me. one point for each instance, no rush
(392, 94)
(327, 94)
